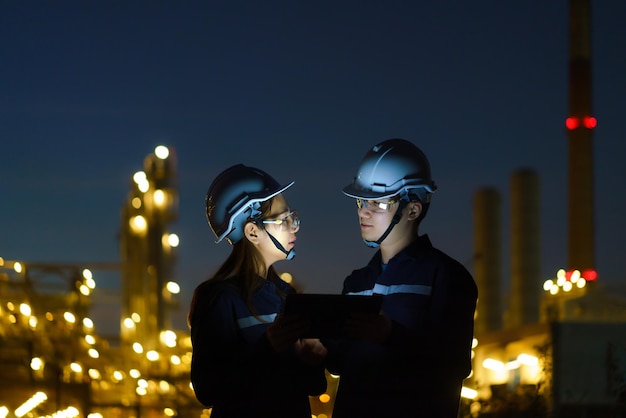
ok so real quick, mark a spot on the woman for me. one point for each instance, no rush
(247, 358)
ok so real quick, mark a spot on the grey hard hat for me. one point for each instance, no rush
(392, 167)
(234, 198)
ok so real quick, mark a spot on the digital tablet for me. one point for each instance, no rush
(328, 312)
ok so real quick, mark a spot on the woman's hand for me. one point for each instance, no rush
(285, 331)
(311, 351)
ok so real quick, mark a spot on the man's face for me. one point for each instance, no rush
(375, 217)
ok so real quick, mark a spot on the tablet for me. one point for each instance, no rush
(328, 312)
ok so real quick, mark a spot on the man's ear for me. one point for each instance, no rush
(251, 232)
(415, 209)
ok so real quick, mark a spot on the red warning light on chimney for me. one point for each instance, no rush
(573, 275)
(571, 123)
(588, 122)
(589, 275)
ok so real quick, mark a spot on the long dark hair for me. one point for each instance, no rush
(246, 263)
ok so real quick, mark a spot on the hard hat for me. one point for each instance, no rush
(235, 196)
(392, 167)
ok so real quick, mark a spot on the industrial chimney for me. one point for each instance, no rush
(580, 124)
(487, 260)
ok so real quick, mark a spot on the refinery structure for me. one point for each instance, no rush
(553, 347)
(559, 349)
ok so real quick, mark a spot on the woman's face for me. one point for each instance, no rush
(282, 224)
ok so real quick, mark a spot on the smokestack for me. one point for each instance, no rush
(487, 260)
(580, 124)
(525, 249)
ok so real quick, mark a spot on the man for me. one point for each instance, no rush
(409, 361)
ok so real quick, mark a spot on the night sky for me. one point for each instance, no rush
(301, 90)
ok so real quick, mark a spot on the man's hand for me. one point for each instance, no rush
(369, 327)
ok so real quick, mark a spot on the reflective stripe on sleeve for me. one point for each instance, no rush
(381, 289)
(250, 321)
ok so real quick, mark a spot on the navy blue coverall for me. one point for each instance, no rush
(418, 371)
(234, 368)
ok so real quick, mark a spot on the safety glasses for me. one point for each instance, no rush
(289, 222)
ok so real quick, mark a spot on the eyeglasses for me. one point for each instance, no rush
(289, 222)
(375, 205)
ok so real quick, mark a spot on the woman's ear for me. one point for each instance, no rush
(251, 232)
(415, 209)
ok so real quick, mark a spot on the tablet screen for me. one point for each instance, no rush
(328, 312)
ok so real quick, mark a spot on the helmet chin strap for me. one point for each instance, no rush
(288, 254)
(396, 218)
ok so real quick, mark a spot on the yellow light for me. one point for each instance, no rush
(69, 317)
(134, 373)
(169, 412)
(159, 197)
(94, 374)
(84, 290)
(139, 177)
(138, 224)
(36, 363)
(152, 355)
(547, 285)
(581, 283)
(162, 152)
(25, 309)
(18, 267)
(128, 323)
(554, 289)
(90, 283)
(87, 274)
(142, 383)
(141, 391)
(87, 323)
(567, 286)
(512, 365)
(287, 277)
(175, 360)
(168, 338)
(474, 342)
(4, 411)
(164, 386)
(93, 353)
(468, 393)
(136, 317)
(493, 364)
(137, 348)
(90, 339)
(136, 202)
(76, 367)
(527, 359)
(95, 415)
(30, 404)
(32, 322)
(172, 287)
(143, 186)
(118, 375)
(173, 240)
(69, 412)
(324, 398)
